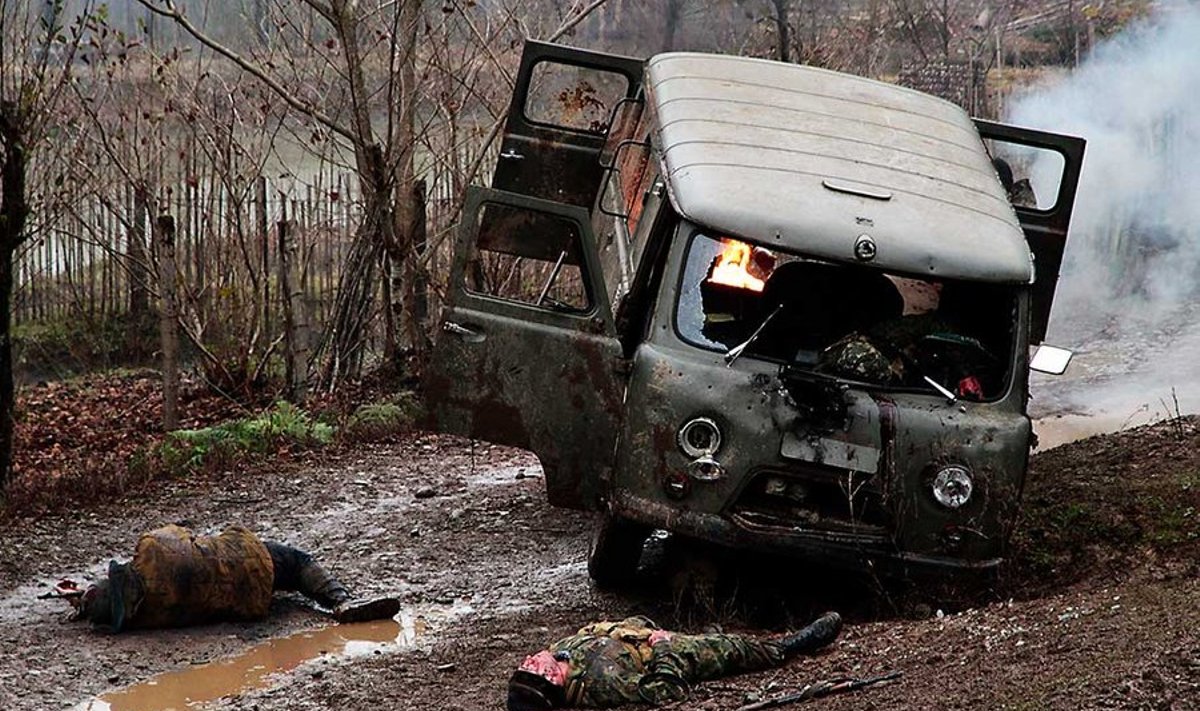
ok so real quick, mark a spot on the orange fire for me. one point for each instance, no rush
(731, 267)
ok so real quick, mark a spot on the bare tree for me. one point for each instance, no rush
(353, 72)
(371, 47)
(38, 50)
(783, 29)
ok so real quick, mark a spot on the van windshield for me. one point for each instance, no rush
(850, 322)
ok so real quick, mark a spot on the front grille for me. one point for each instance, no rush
(833, 501)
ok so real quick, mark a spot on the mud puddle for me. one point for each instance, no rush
(254, 668)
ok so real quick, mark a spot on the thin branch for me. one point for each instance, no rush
(170, 12)
(570, 24)
(487, 47)
(322, 9)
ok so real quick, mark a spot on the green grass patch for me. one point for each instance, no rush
(284, 426)
(383, 419)
(1171, 523)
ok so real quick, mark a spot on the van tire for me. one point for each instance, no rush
(615, 552)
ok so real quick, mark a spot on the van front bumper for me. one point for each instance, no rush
(864, 552)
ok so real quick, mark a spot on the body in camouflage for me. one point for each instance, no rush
(885, 353)
(177, 578)
(614, 663)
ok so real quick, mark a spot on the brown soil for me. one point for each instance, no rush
(1098, 608)
(92, 437)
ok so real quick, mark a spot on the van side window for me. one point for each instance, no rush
(571, 97)
(529, 257)
(1031, 176)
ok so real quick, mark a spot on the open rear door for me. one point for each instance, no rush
(528, 354)
(1043, 175)
(562, 103)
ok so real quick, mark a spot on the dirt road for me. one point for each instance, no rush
(488, 572)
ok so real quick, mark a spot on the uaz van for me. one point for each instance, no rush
(762, 305)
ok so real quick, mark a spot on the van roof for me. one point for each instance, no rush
(810, 160)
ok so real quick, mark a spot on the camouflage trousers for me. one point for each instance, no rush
(684, 659)
(296, 570)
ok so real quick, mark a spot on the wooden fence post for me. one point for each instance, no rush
(295, 339)
(168, 320)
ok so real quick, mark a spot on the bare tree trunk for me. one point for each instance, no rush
(391, 341)
(264, 231)
(293, 338)
(7, 387)
(345, 333)
(872, 39)
(168, 321)
(674, 15)
(139, 287)
(400, 251)
(345, 337)
(261, 29)
(14, 211)
(782, 23)
(418, 278)
(151, 33)
(1073, 29)
(944, 29)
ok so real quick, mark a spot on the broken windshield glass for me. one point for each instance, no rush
(848, 321)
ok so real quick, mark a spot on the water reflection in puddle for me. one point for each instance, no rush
(186, 688)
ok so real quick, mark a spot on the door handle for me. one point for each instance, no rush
(468, 334)
(511, 154)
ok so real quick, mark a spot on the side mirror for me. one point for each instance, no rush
(1051, 360)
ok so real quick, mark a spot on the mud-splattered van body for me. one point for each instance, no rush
(758, 304)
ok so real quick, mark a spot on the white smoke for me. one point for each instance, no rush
(1128, 297)
(1136, 99)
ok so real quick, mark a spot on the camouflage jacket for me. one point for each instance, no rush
(877, 355)
(177, 578)
(614, 663)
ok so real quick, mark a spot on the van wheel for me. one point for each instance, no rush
(616, 551)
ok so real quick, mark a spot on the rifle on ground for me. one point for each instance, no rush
(820, 689)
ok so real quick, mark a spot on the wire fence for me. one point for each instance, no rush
(89, 261)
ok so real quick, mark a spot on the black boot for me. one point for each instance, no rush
(817, 635)
(296, 570)
(380, 608)
(317, 584)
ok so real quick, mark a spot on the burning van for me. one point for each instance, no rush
(761, 305)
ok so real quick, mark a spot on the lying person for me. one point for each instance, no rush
(178, 578)
(612, 663)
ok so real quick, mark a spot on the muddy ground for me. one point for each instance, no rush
(1099, 608)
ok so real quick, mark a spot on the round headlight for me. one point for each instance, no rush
(699, 437)
(952, 486)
